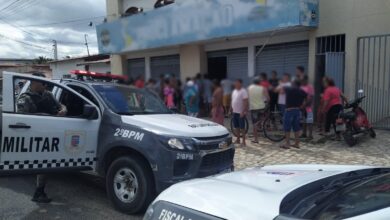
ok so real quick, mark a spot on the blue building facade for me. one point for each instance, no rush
(194, 21)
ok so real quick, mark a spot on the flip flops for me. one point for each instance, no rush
(284, 147)
(295, 146)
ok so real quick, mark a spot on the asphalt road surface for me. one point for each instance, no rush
(75, 196)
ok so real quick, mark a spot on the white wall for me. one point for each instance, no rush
(16, 61)
(99, 67)
(61, 68)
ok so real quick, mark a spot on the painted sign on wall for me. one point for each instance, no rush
(197, 20)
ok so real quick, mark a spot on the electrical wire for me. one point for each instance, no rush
(33, 34)
(25, 43)
(10, 5)
(16, 7)
(15, 26)
(64, 22)
(17, 10)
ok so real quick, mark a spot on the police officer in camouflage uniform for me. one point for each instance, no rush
(37, 100)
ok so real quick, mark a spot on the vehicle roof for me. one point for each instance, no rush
(258, 192)
(92, 82)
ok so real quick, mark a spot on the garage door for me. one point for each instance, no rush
(165, 65)
(237, 63)
(136, 67)
(283, 58)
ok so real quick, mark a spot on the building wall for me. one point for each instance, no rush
(354, 18)
(194, 59)
(62, 68)
(10, 61)
(27, 69)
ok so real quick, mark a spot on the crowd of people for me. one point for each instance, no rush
(291, 96)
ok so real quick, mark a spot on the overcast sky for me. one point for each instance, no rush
(30, 22)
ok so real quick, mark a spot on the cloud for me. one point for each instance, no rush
(70, 36)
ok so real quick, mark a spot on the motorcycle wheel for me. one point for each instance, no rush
(349, 139)
(372, 133)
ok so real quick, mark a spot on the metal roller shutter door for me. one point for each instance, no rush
(165, 65)
(237, 63)
(283, 58)
(136, 67)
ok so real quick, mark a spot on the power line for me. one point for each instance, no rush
(33, 34)
(64, 22)
(17, 10)
(25, 43)
(6, 7)
(15, 7)
(15, 26)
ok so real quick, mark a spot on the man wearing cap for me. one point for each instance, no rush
(37, 100)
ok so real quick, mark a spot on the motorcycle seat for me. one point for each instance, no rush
(348, 115)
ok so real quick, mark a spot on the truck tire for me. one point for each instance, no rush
(129, 184)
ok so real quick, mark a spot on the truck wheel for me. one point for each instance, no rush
(129, 184)
(348, 137)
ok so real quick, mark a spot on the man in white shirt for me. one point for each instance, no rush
(240, 110)
(227, 94)
(258, 95)
(282, 95)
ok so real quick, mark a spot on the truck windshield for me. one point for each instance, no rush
(126, 100)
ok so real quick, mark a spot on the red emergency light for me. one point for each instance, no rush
(99, 75)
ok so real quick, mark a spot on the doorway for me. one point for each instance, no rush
(217, 67)
(320, 73)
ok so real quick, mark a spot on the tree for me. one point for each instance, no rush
(42, 60)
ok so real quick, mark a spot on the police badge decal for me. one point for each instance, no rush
(75, 142)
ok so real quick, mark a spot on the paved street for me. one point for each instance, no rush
(77, 196)
(368, 151)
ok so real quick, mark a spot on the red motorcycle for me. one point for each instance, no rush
(354, 122)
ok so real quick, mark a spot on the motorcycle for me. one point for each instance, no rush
(354, 122)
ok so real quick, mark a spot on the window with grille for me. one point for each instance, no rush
(334, 43)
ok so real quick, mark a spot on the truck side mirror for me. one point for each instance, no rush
(90, 112)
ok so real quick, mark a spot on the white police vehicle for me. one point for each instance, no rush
(285, 192)
(124, 134)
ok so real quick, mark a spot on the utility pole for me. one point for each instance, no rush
(86, 42)
(55, 49)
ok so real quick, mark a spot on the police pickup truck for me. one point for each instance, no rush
(281, 192)
(124, 134)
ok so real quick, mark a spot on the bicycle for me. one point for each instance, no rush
(270, 124)
(273, 127)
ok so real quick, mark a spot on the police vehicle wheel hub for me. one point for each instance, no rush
(125, 185)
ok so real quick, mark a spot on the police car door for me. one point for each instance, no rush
(39, 142)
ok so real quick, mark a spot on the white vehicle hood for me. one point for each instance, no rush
(254, 193)
(176, 125)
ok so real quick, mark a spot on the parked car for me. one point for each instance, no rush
(124, 134)
(286, 192)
